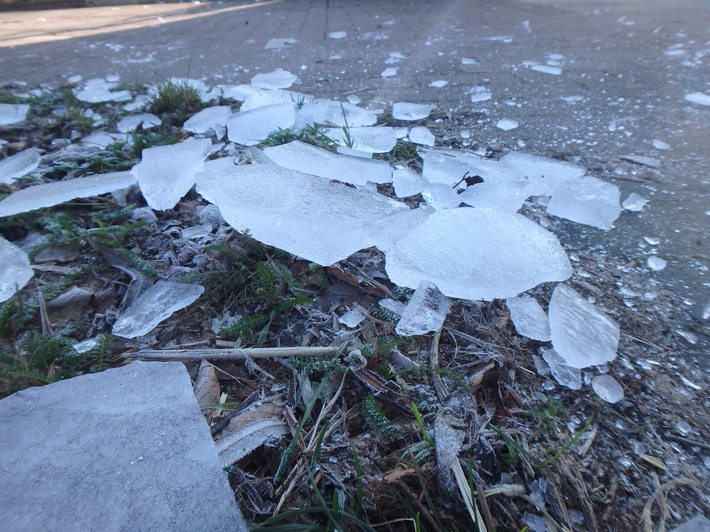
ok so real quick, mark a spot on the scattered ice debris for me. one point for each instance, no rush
(318, 219)
(19, 165)
(102, 139)
(407, 182)
(308, 159)
(573, 99)
(154, 305)
(99, 90)
(607, 388)
(395, 57)
(529, 318)
(13, 113)
(378, 139)
(480, 94)
(86, 345)
(706, 311)
(564, 374)
(394, 306)
(506, 124)
(699, 98)
(280, 42)
(656, 263)
(478, 254)
(642, 160)
(353, 99)
(166, 173)
(15, 270)
(353, 317)
(56, 192)
(546, 69)
(581, 334)
(689, 337)
(635, 202)
(425, 312)
(587, 200)
(439, 83)
(389, 72)
(278, 79)
(422, 136)
(338, 34)
(212, 120)
(133, 122)
(652, 241)
(138, 103)
(251, 127)
(660, 145)
(348, 115)
(411, 111)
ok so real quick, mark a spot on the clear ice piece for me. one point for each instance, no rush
(13, 113)
(101, 139)
(635, 202)
(422, 136)
(353, 317)
(478, 254)
(379, 139)
(18, 165)
(564, 374)
(439, 83)
(547, 69)
(389, 72)
(411, 111)
(506, 124)
(699, 98)
(480, 94)
(210, 119)
(154, 305)
(425, 312)
(660, 145)
(56, 192)
(249, 128)
(15, 270)
(529, 318)
(581, 334)
(656, 263)
(278, 79)
(166, 173)
(586, 200)
(407, 182)
(132, 122)
(643, 160)
(338, 34)
(344, 114)
(706, 311)
(441, 196)
(607, 388)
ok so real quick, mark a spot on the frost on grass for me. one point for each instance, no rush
(586, 200)
(19, 165)
(529, 318)
(15, 269)
(11, 113)
(425, 312)
(249, 128)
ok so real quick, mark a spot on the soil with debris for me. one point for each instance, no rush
(367, 438)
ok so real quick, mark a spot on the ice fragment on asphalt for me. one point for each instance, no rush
(699, 98)
(13, 113)
(18, 165)
(338, 34)
(607, 388)
(478, 254)
(308, 159)
(437, 84)
(547, 69)
(132, 122)
(586, 200)
(563, 373)
(15, 269)
(529, 318)
(660, 145)
(389, 72)
(425, 312)
(353, 317)
(468, 61)
(278, 79)
(251, 127)
(211, 119)
(635, 202)
(480, 94)
(422, 136)
(314, 218)
(377, 139)
(643, 160)
(99, 90)
(506, 124)
(706, 311)
(56, 192)
(156, 304)
(407, 182)
(411, 111)
(656, 263)
(166, 173)
(581, 334)
(280, 42)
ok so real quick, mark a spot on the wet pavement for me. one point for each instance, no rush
(588, 82)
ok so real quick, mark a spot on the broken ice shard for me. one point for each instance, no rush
(212, 120)
(421, 135)
(348, 115)
(251, 127)
(154, 305)
(367, 139)
(529, 318)
(280, 42)
(441, 196)
(278, 79)
(133, 122)
(389, 72)
(49, 194)
(411, 111)
(607, 388)
(563, 373)
(635, 202)
(18, 165)
(11, 113)
(166, 173)
(338, 34)
(586, 200)
(15, 269)
(547, 69)
(318, 219)
(643, 160)
(425, 312)
(506, 124)
(699, 98)
(581, 334)
(308, 159)
(353, 317)
(437, 84)
(100, 90)
(480, 94)
(478, 254)
(656, 263)
(407, 182)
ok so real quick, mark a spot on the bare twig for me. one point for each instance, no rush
(232, 354)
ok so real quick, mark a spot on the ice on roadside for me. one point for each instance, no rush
(56, 192)
(407, 182)
(99, 90)
(564, 374)
(368, 139)
(480, 94)
(635, 202)
(411, 111)
(19, 165)
(15, 269)
(280, 42)
(249, 128)
(506, 124)
(278, 79)
(344, 114)
(529, 318)
(422, 136)
(338, 34)
(545, 69)
(425, 312)
(166, 173)
(212, 120)
(389, 72)
(439, 83)
(656, 263)
(309, 159)
(587, 200)
(478, 254)
(133, 122)
(608, 388)
(581, 334)
(13, 113)
(660, 145)
(699, 98)
(643, 160)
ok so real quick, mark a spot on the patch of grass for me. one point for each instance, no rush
(178, 100)
(313, 135)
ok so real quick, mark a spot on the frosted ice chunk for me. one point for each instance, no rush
(13, 113)
(425, 312)
(478, 254)
(251, 127)
(353, 317)
(389, 72)
(280, 42)
(438, 83)
(635, 202)
(699, 98)
(278, 79)
(368, 139)
(529, 318)
(706, 311)
(468, 61)
(99, 90)
(156, 304)
(421, 135)
(311, 113)
(586, 200)
(581, 334)
(407, 182)
(643, 160)
(314, 218)
(348, 115)
(18, 165)
(305, 158)
(656, 263)
(547, 69)
(563, 373)
(411, 111)
(506, 124)
(338, 34)
(49, 194)
(607, 388)
(166, 173)
(480, 94)
(210, 119)
(132, 122)
(15, 269)
(660, 145)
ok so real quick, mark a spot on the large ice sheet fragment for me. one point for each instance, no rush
(422, 136)
(11, 113)
(425, 312)
(167, 173)
(49, 194)
(586, 200)
(699, 98)
(608, 388)
(156, 304)
(411, 111)
(15, 269)
(563, 373)
(407, 182)
(99, 90)
(367, 139)
(308, 159)
(581, 334)
(251, 127)
(348, 115)
(478, 254)
(19, 165)
(210, 120)
(278, 79)
(529, 318)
